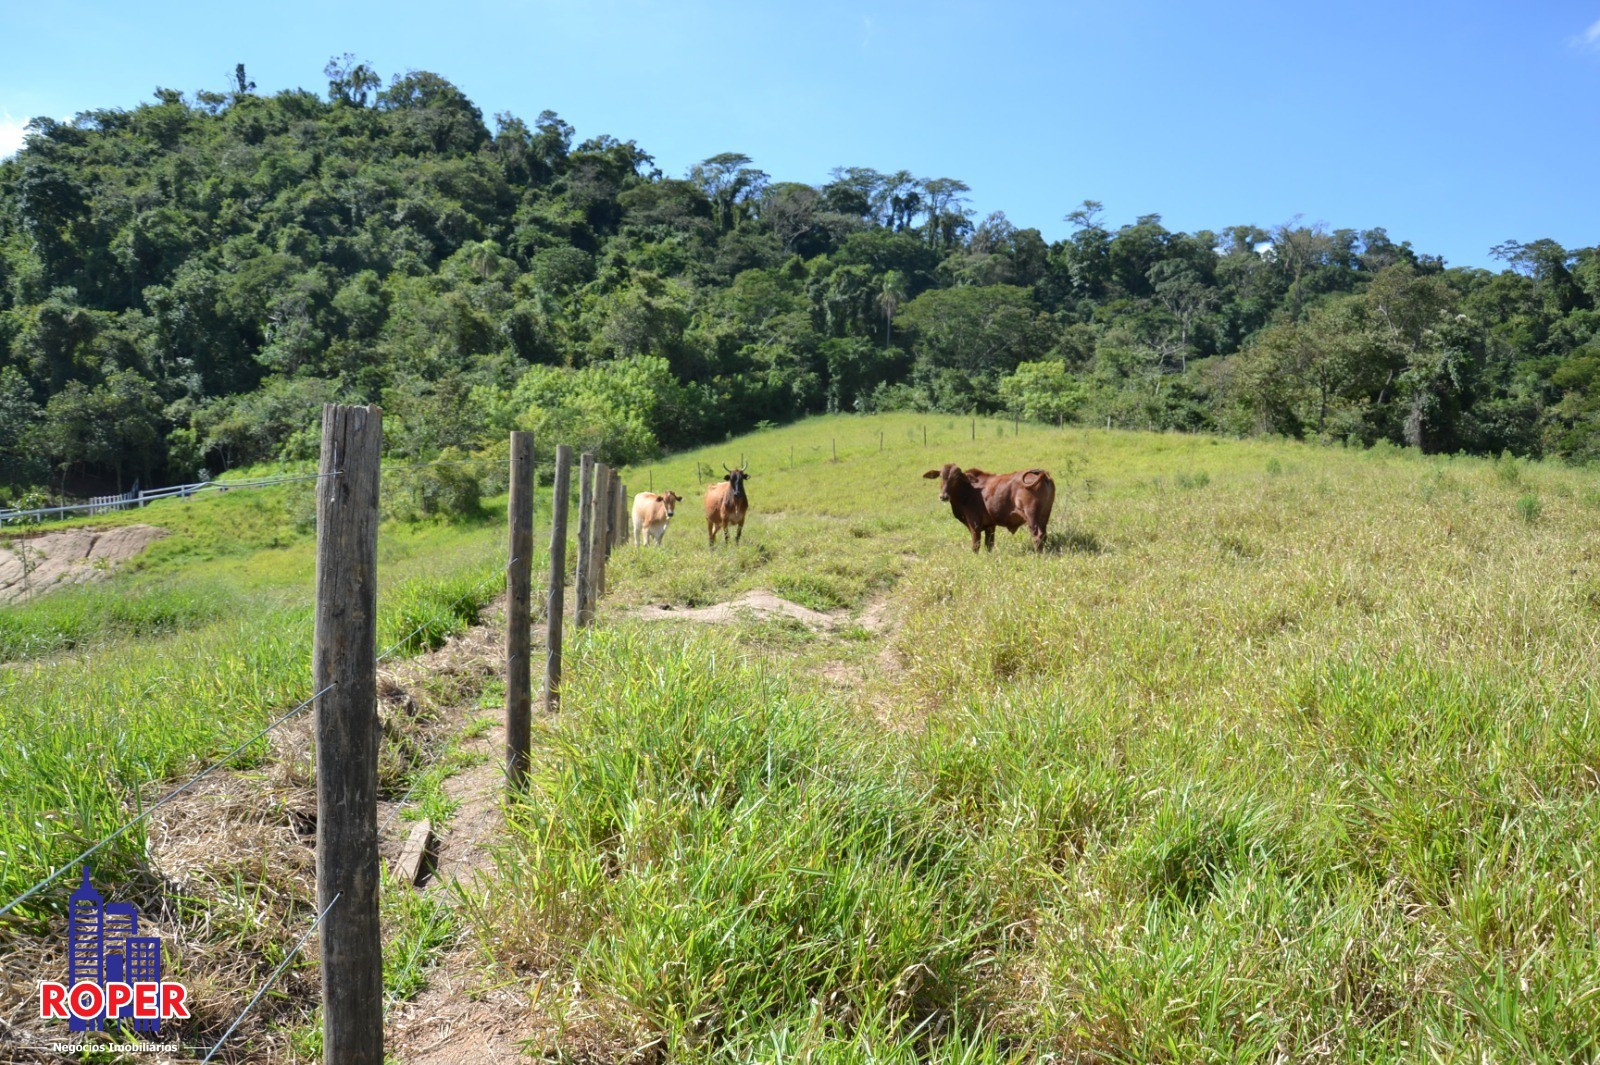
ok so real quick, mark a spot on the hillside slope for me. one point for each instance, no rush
(1279, 753)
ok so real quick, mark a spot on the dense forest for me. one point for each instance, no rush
(182, 284)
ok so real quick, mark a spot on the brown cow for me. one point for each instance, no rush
(726, 504)
(981, 501)
(651, 512)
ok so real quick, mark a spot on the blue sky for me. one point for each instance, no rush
(1453, 125)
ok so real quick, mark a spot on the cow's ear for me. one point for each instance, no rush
(931, 475)
(747, 476)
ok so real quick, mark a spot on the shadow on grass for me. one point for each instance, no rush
(1073, 541)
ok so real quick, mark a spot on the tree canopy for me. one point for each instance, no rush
(182, 283)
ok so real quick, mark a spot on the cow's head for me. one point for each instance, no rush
(736, 478)
(671, 499)
(950, 477)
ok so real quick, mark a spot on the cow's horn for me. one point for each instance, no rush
(725, 467)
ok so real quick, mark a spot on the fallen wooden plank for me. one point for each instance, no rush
(413, 863)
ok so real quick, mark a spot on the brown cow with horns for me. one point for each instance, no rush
(982, 501)
(726, 504)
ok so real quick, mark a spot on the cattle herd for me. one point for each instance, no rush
(980, 500)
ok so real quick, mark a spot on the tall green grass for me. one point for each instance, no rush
(1280, 753)
(74, 617)
(710, 850)
(119, 690)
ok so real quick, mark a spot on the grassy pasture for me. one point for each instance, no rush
(1281, 753)
(110, 692)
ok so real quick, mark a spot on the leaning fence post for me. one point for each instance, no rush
(519, 594)
(344, 669)
(558, 577)
(583, 585)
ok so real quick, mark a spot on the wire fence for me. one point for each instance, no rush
(437, 619)
(153, 807)
(607, 509)
(140, 498)
(262, 990)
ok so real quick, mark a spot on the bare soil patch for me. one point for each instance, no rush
(757, 605)
(34, 565)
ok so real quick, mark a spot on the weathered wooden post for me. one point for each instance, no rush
(619, 512)
(613, 485)
(519, 597)
(600, 499)
(344, 669)
(583, 584)
(558, 577)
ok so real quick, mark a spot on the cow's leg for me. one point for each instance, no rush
(740, 534)
(977, 538)
(1038, 538)
(713, 529)
(988, 538)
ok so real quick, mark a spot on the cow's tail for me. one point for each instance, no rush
(1034, 478)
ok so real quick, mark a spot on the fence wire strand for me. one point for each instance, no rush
(168, 797)
(437, 618)
(132, 501)
(270, 980)
(540, 614)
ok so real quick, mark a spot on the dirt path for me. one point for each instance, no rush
(469, 1013)
(464, 1014)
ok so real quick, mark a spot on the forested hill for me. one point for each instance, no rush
(182, 284)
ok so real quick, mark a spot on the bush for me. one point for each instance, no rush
(1043, 391)
(448, 489)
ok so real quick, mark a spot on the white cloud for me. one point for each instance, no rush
(11, 132)
(1589, 38)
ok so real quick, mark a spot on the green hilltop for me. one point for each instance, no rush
(184, 282)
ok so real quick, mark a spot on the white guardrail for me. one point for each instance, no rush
(130, 500)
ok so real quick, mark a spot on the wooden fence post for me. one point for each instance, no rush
(519, 596)
(618, 520)
(558, 577)
(610, 508)
(583, 585)
(600, 499)
(344, 661)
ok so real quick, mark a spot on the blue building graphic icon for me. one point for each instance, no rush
(104, 947)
